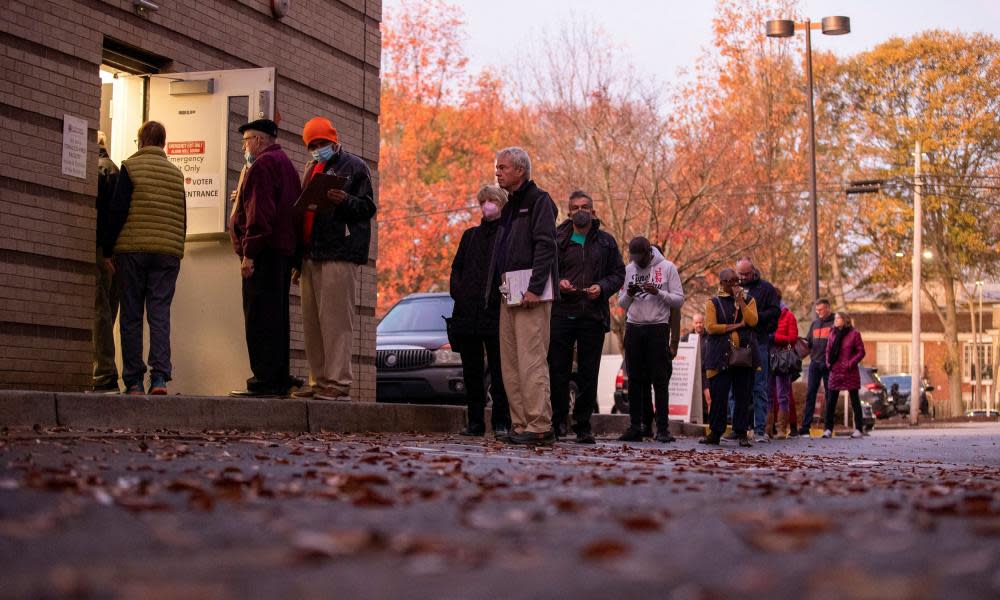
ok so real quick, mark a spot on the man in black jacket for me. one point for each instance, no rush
(526, 241)
(334, 240)
(819, 332)
(591, 271)
(768, 312)
(474, 326)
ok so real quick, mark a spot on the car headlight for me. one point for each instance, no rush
(444, 356)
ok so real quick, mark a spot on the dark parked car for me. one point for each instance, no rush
(901, 397)
(875, 394)
(413, 359)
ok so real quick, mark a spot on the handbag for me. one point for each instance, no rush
(801, 346)
(785, 361)
(739, 356)
(453, 337)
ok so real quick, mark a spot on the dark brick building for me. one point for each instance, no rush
(112, 64)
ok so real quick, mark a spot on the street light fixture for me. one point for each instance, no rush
(782, 28)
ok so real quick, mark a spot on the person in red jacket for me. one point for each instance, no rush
(781, 383)
(844, 352)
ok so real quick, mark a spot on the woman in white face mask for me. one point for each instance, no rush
(474, 326)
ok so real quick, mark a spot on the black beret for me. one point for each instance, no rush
(262, 125)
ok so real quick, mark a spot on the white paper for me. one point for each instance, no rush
(516, 284)
(74, 148)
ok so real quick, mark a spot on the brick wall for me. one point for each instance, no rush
(327, 57)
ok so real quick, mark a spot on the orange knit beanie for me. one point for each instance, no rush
(319, 128)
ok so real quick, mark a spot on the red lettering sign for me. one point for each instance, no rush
(185, 147)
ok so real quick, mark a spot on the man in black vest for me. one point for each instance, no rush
(591, 271)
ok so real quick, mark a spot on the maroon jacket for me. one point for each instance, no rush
(844, 373)
(263, 217)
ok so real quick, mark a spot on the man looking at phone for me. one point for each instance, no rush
(768, 312)
(652, 288)
(334, 240)
(591, 271)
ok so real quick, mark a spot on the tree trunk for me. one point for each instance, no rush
(953, 360)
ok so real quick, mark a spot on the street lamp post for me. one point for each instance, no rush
(781, 28)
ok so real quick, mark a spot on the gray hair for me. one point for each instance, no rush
(519, 157)
(492, 192)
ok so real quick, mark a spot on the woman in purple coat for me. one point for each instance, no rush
(843, 355)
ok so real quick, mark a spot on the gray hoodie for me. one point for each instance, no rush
(650, 309)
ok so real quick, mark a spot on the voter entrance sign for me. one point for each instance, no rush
(685, 383)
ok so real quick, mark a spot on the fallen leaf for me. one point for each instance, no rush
(604, 549)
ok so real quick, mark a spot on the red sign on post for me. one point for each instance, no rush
(186, 147)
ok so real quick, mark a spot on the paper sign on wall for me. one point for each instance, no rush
(74, 149)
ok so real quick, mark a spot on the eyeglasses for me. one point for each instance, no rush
(730, 281)
(249, 139)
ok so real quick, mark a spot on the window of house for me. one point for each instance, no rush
(892, 357)
(985, 361)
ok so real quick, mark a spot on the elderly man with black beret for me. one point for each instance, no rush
(262, 228)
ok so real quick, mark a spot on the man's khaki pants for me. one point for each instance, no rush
(328, 322)
(524, 349)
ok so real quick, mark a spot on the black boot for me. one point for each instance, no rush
(632, 434)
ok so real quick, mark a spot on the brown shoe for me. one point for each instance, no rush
(332, 395)
(305, 392)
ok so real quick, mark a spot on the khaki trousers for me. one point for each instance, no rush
(524, 349)
(328, 322)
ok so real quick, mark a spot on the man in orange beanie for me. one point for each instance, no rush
(334, 240)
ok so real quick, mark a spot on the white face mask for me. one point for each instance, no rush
(491, 210)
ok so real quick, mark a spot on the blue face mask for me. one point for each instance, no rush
(249, 157)
(323, 154)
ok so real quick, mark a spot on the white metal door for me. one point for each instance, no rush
(195, 109)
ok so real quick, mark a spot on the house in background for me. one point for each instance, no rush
(884, 319)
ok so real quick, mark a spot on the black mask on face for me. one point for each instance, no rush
(582, 219)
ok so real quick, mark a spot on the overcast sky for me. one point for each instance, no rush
(662, 36)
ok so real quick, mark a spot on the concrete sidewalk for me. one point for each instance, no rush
(98, 411)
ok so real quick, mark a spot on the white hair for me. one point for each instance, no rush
(519, 157)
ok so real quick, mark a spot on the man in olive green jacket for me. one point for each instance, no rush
(146, 239)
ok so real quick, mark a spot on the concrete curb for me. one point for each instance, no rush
(99, 411)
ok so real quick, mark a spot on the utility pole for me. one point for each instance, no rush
(916, 366)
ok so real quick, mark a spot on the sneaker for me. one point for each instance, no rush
(761, 438)
(135, 389)
(665, 437)
(157, 386)
(631, 435)
(331, 395)
(827, 433)
(745, 442)
(793, 433)
(804, 431)
(585, 437)
(857, 435)
(305, 392)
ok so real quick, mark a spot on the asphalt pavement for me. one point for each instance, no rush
(122, 514)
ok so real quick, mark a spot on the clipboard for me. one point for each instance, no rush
(314, 196)
(514, 284)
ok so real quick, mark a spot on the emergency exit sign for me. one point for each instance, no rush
(186, 147)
